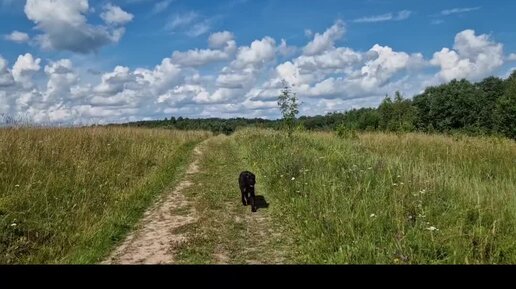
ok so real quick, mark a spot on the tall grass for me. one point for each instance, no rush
(68, 195)
(387, 198)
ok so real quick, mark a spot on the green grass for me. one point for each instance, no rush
(69, 195)
(226, 231)
(386, 198)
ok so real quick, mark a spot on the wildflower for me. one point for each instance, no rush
(13, 225)
(369, 168)
(402, 183)
(398, 176)
(432, 228)
(372, 215)
(16, 186)
(281, 176)
(394, 184)
(293, 178)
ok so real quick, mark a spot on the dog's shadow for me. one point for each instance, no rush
(260, 202)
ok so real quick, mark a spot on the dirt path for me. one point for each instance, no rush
(155, 238)
(227, 232)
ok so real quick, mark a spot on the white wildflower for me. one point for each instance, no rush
(432, 228)
(372, 215)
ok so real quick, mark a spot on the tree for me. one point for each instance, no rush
(397, 115)
(505, 111)
(287, 102)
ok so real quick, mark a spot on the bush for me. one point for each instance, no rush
(345, 132)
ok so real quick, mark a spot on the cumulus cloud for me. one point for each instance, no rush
(472, 57)
(255, 55)
(220, 39)
(6, 78)
(200, 57)
(61, 79)
(25, 66)
(115, 15)
(17, 36)
(512, 57)
(245, 81)
(65, 27)
(322, 42)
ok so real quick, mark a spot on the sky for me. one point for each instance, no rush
(87, 61)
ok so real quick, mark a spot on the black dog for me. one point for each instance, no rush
(247, 181)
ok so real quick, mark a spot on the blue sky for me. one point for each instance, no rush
(80, 61)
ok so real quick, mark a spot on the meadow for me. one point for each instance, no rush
(71, 195)
(67, 195)
(389, 198)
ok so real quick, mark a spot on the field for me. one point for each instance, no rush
(71, 195)
(68, 195)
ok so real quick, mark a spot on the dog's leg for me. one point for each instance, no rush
(244, 201)
(253, 205)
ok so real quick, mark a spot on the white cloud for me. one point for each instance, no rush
(326, 40)
(18, 37)
(512, 57)
(255, 55)
(161, 6)
(458, 10)
(6, 78)
(191, 23)
(61, 78)
(401, 15)
(115, 15)
(285, 50)
(198, 29)
(324, 75)
(24, 68)
(180, 20)
(200, 57)
(65, 26)
(473, 57)
(220, 39)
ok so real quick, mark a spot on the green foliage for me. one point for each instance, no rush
(346, 133)
(398, 115)
(505, 110)
(287, 102)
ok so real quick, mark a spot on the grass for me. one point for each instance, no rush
(226, 231)
(386, 198)
(69, 195)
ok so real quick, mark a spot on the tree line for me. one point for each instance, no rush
(487, 107)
